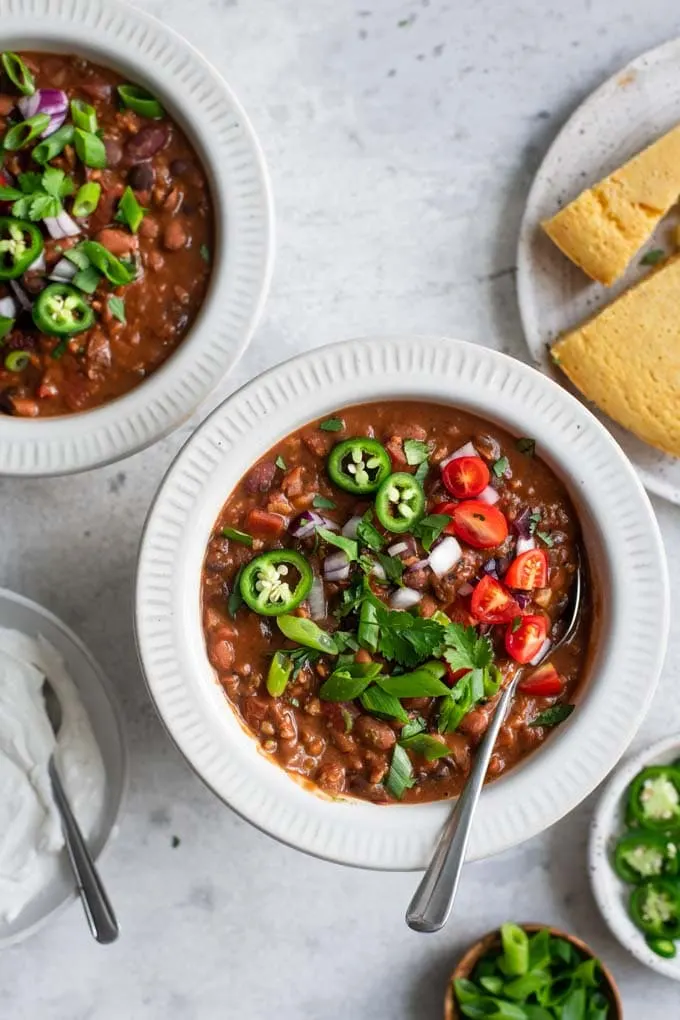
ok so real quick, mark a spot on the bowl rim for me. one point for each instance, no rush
(477, 949)
(607, 823)
(116, 712)
(134, 42)
(170, 643)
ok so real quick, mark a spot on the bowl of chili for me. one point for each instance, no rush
(634, 856)
(295, 686)
(135, 234)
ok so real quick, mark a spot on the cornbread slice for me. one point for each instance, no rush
(626, 359)
(606, 225)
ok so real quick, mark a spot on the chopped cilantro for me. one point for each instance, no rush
(430, 528)
(349, 546)
(393, 567)
(235, 600)
(367, 534)
(501, 466)
(651, 258)
(116, 306)
(546, 537)
(415, 451)
(516, 624)
(534, 521)
(280, 463)
(526, 445)
(321, 503)
(553, 716)
(205, 252)
(332, 425)
(409, 640)
(421, 471)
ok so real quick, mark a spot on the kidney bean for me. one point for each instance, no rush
(261, 477)
(374, 733)
(177, 167)
(141, 177)
(331, 777)
(117, 241)
(174, 236)
(114, 151)
(147, 142)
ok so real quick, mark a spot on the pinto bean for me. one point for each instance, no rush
(141, 177)
(374, 733)
(418, 579)
(147, 142)
(117, 241)
(486, 446)
(254, 711)
(98, 354)
(174, 236)
(149, 228)
(331, 777)
(114, 151)
(221, 651)
(261, 477)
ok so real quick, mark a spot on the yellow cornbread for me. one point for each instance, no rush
(626, 359)
(604, 227)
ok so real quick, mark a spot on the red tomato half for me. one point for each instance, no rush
(529, 570)
(465, 477)
(527, 640)
(492, 603)
(447, 509)
(544, 682)
(479, 524)
(454, 675)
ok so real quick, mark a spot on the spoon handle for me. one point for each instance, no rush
(431, 904)
(98, 911)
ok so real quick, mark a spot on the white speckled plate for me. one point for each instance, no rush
(622, 116)
(136, 44)
(624, 549)
(101, 704)
(608, 824)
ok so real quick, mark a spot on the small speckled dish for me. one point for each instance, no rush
(624, 115)
(492, 941)
(99, 699)
(608, 824)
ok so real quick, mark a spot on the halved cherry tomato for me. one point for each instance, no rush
(544, 682)
(529, 570)
(265, 525)
(479, 524)
(454, 675)
(465, 477)
(447, 509)
(492, 603)
(526, 640)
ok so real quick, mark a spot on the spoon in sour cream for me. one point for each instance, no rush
(98, 910)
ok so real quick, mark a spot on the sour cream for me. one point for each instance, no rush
(31, 839)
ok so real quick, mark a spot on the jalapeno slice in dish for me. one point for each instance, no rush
(276, 582)
(655, 908)
(61, 310)
(399, 502)
(20, 245)
(654, 798)
(358, 465)
(641, 855)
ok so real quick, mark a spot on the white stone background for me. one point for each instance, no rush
(401, 139)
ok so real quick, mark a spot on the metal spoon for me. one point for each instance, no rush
(431, 905)
(98, 911)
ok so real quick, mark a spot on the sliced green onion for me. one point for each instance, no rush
(130, 211)
(54, 145)
(21, 135)
(138, 99)
(515, 950)
(84, 116)
(6, 325)
(238, 536)
(115, 271)
(87, 280)
(17, 361)
(87, 199)
(18, 73)
(400, 777)
(90, 149)
(78, 257)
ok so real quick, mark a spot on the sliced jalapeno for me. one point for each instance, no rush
(20, 244)
(662, 947)
(358, 465)
(399, 502)
(655, 908)
(654, 798)
(269, 584)
(279, 674)
(645, 854)
(61, 310)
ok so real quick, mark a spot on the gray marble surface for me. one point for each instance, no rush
(401, 138)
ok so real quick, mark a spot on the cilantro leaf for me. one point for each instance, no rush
(393, 567)
(332, 425)
(430, 528)
(652, 257)
(321, 503)
(408, 640)
(546, 538)
(500, 467)
(280, 463)
(421, 471)
(116, 306)
(466, 649)
(534, 521)
(415, 451)
(367, 534)
(300, 658)
(526, 445)
(349, 546)
(553, 716)
(30, 182)
(56, 183)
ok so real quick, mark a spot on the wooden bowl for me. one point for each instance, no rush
(493, 940)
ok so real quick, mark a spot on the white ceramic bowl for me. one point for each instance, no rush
(624, 547)
(608, 824)
(134, 43)
(99, 699)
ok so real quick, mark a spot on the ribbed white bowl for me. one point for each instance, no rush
(624, 548)
(127, 39)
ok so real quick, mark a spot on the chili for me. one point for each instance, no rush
(642, 855)
(654, 798)
(20, 245)
(61, 310)
(358, 465)
(655, 908)
(399, 502)
(265, 583)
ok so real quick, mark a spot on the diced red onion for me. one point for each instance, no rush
(541, 652)
(522, 598)
(317, 599)
(349, 529)
(64, 271)
(466, 589)
(38, 265)
(53, 102)
(463, 451)
(341, 574)
(522, 523)
(8, 308)
(306, 523)
(489, 495)
(21, 295)
(405, 598)
(61, 226)
(397, 548)
(378, 571)
(490, 568)
(525, 545)
(444, 556)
